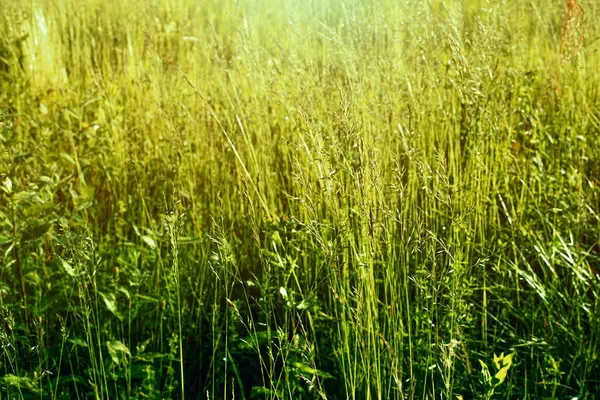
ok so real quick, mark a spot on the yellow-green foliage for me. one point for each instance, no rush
(299, 199)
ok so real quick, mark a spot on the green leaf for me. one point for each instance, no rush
(486, 373)
(21, 382)
(7, 185)
(25, 195)
(116, 349)
(45, 179)
(77, 341)
(307, 370)
(38, 209)
(68, 268)
(497, 360)
(35, 232)
(149, 241)
(147, 299)
(110, 301)
(33, 278)
(507, 361)
(68, 158)
(501, 375)
(8, 250)
(124, 291)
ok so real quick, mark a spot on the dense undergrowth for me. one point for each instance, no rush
(299, 199)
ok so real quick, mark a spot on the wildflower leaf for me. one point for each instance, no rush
(149, 241)
(497, 360)
(111, 303)
(116, 348)
(486, 373)
(501, 375)
(68, 268)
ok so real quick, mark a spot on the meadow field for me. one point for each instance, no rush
(299, 199)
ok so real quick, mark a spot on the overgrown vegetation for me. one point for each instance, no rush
(280, 199)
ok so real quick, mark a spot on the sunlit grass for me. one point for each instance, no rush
(317, 199)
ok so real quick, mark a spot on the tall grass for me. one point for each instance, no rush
(284, 199)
